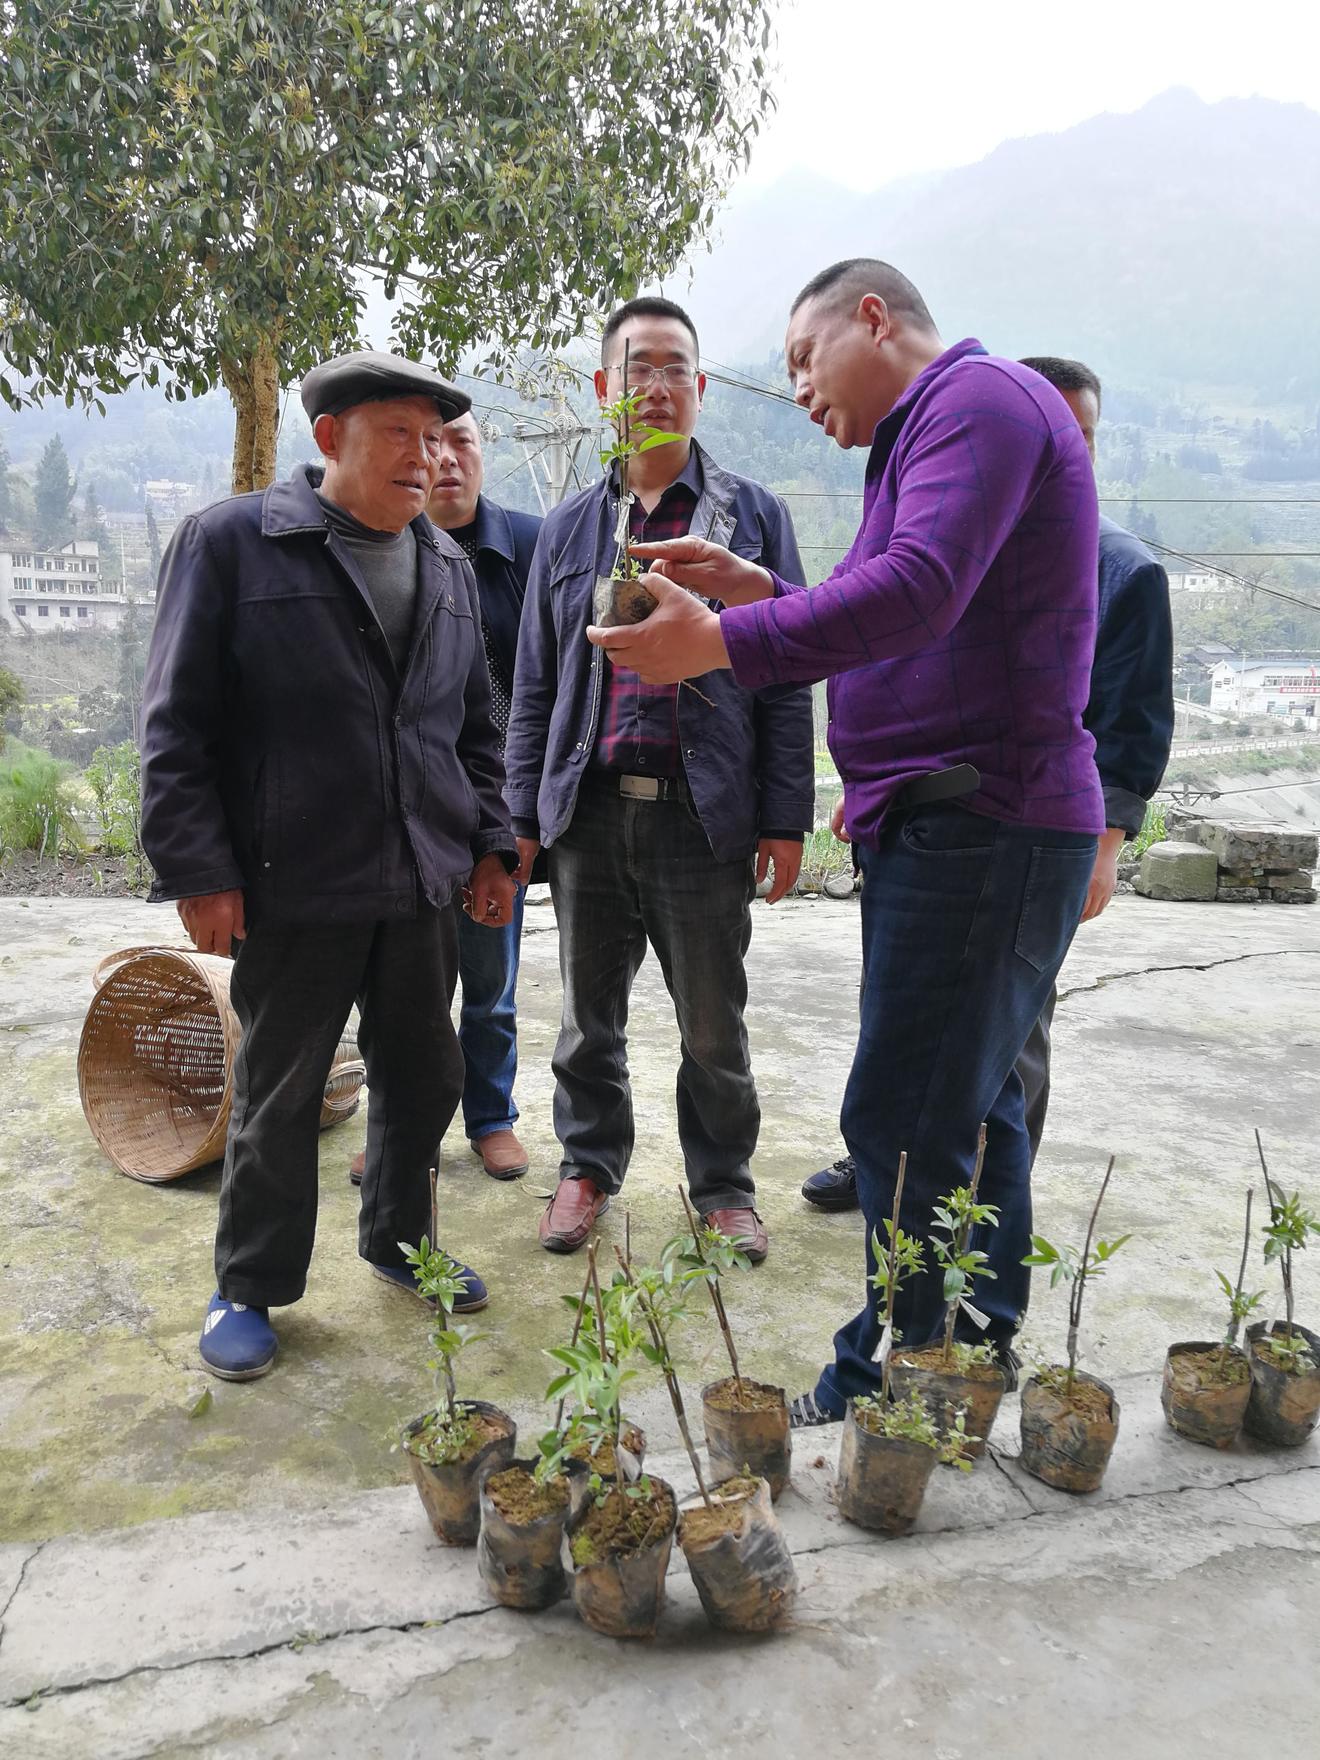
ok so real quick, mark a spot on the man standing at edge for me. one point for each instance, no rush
(957, 635)
(652, 804)
(320, 775)
(498, 543)
(1130, 717)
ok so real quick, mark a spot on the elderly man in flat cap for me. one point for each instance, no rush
(320, 777)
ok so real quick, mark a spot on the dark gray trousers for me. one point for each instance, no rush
(292, 988)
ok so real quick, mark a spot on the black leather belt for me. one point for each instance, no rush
(938, 785)
(645, 788)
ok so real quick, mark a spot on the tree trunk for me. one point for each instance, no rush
(253, 384)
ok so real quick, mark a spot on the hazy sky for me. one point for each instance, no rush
(871, 90)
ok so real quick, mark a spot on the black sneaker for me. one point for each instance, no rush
(833, 1188)
(805, 1414)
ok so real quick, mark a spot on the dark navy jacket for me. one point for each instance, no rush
(1130, 711)
(281, 751)
(505, 542)
(749, 760)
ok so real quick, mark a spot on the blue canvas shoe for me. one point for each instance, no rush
(833, 1188)
(238, 1343)
(473, 1298)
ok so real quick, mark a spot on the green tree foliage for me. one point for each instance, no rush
(12, 695)
(54, 495)
(37, 810)
(94, 526)
(195, 188)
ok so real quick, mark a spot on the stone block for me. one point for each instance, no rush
(1298, 881)
(1178, 871)
(1292, 898)
(1238, 895)
(1186, 827)
(1239, 845)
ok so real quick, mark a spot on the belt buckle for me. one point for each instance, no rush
(640, 788)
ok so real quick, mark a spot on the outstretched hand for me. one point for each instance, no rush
(680, 639)
(707, 569)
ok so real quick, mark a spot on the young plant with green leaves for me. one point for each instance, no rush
(905, 1419)
(631, 439)
(1068, 1265)
(447, 1433)
(1286, 1233)
(1240, 1305)
(659, 1294)
(713, 1256)
(594, 1369)
(955, 1217)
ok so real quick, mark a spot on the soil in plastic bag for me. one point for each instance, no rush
(881, 1479)
(739, 1558)
(620, 1554)
(520, 1547)
(450, 1493)
(1067, 1443)
(1284, 1407)
(1205, 1392)
(748, 1432)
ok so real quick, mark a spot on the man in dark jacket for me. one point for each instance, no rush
(1129, 713)
(498, 543)
(320, 777)
(660, 808)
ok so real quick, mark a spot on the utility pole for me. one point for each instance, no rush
(560, 435)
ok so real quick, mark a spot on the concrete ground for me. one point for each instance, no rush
(1158, 1613)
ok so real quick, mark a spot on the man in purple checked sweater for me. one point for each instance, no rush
(957, 635)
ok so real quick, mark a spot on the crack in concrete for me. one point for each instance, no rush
(298, 1642)
(1234, 959)
(22, 1574)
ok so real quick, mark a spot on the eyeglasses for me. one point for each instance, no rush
(678, 375)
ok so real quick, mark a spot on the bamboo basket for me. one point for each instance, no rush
(156, 1061)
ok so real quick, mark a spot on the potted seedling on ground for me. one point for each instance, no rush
(1285, 1358)
(890, 1447)
(453, 1446)
(621, 1531)
(734, 1546)
(951, 1375)
(746, 1422)
(1206, 1386)
(525, 1505)
(1069, 1418)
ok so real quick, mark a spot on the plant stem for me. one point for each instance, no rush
(1079, 1283)
(667, 1370)
(577, 1327)
(434, 1213)
(716, 1293)
(1231, 1338)
(890, 1289)
(605, 1357)
(960, 1244)
(1285, 1258)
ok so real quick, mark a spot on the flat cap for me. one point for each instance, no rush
(368, 376)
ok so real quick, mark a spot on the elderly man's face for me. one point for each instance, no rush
(454, 499)
(382, 459)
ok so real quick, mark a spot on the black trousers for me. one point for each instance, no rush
(292, 988)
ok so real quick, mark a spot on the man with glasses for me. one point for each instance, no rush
(660, 808)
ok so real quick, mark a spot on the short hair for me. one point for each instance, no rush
(1063, 374)
(855, 277)
(648, 306)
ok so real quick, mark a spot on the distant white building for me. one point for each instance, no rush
(1287, 688)
(1198, 583)
(43, 590)
(171, 498)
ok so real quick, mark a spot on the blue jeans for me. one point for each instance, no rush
(965, 923)
(625, 873)
(488, 1021)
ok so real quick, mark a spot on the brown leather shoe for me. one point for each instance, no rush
(571, 1215)
(744, 1228)
(502, 1155)
(357, 1167)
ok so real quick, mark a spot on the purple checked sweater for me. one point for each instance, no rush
(960, 626)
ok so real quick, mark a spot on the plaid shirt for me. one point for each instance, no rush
(638, 729)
